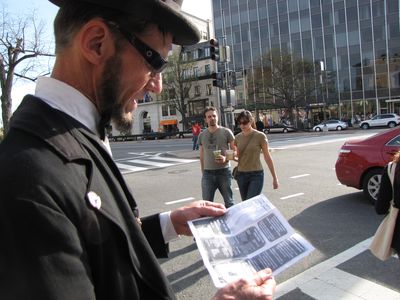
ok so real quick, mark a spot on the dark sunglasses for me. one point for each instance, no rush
(243, 122)
(156, 62)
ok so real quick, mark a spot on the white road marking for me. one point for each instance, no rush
(129, 168)
(299, 176)
(175, 160)
(150, 163)
(292, 196)
(179, 201)
(325, 281)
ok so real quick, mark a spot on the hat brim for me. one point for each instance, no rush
(183, 31)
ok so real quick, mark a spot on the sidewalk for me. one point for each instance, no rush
(331, 279)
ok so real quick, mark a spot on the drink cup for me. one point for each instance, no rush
(229, 154)
(217, 153)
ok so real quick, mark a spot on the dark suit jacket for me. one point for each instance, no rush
(385, 196)
(56, 243)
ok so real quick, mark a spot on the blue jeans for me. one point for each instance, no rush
(217, 179)
(195, 142)
(250, 184)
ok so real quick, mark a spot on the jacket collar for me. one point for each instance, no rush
(54, 127)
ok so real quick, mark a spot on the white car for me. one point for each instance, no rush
(383, 120)
(331, 125)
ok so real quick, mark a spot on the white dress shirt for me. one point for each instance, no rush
(67, 99)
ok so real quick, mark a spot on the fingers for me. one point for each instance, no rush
(210, 209)
(262, 276)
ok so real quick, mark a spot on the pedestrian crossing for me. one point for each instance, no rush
(149, 162)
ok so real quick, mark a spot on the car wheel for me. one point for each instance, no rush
(339, 128)
(285, 130)
(318, 129)
(391, 124)
(371, 184)
(365, 126)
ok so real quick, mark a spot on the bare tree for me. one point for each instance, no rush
(21, 43)
(178, 82)
(288, 79)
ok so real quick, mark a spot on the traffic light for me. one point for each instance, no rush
(217, 79)
(214, 49)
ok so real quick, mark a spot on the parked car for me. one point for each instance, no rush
(361, 162)
(331, 125)
(279, 128)
(383, 120)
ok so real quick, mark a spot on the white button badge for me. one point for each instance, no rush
(94, 199)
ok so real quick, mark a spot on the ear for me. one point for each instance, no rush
(96, 42)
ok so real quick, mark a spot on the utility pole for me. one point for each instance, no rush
(224, 80)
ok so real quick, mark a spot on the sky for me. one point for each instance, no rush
(46, 12)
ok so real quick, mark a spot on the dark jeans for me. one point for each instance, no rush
(217, 179)
(250, 184)
(195, 142)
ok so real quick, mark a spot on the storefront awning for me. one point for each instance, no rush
(168, 122)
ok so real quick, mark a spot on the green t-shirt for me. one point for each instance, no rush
(218, 140)
(250, 158)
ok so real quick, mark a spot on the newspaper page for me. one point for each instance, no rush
(250, 236)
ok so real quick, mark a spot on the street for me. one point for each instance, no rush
(334, 218)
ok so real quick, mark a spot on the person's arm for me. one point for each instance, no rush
(270, 164)
(385, 194)
(202, 158)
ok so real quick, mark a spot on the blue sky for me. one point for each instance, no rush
(46, 11)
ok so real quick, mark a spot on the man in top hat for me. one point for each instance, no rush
(69, 225)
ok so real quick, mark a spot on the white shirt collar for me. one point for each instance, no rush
(67, 99)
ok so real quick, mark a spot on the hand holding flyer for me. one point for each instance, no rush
(250, 236)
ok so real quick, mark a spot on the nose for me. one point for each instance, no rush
(155, 84)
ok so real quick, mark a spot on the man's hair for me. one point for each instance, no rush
(74, 14)
(207, 109)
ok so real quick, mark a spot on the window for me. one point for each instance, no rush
(172, 110)
(184, 56)
(197, 91)
(207, 52)
(164, 110)
(195, 55)
(209, 89)
(207, 69)
(171, 93)
(196, 72)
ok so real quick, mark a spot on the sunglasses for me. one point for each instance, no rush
(154, 59)
(243, 122)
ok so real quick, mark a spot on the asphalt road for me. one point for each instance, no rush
(332, 217)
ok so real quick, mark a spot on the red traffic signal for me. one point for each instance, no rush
(214, 49)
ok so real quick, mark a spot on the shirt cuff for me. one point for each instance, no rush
(167, 228)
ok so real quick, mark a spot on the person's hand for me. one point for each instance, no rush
(195, 210)
(275, 184)
(220, 159)
(260, 287)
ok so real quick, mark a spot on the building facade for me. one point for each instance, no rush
(355, 44)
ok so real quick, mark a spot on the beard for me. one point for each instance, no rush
(110, 108)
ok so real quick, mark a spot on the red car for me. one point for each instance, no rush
(360, 162)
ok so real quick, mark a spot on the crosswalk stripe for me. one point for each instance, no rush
(129, 168)
(180, 160)
(150, 163)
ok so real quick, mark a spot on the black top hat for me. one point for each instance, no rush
(166, 13)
